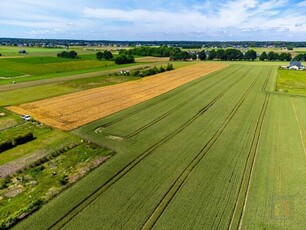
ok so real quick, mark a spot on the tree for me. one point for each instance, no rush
(276, 56)
(123, 59)
(194, 56)
(107, 55)
(285, 57)
(250, 55)
(169, 67)
(271, 56)
(263, 56)
(99, 55)
(233, 54)
(202, 55)
(300, 57)
(220, 54)
(73, 54)
(212, 55)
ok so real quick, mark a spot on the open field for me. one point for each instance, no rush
(74, 110)
(218, 152)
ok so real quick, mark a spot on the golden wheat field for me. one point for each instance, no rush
(74, 110)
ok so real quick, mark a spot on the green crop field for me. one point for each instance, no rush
(220, 152)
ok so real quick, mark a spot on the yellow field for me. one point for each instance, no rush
(74, 110)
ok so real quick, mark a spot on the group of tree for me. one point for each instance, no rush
(124, 59)
(300, 57)
(162, 51)
(272, 56)
(229, 55)
(151, 71)
(178, 55)
(107, 55)
(65, 54)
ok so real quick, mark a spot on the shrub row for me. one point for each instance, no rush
(19, 140)
(152, 71)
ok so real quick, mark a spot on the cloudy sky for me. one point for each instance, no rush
(201, 20)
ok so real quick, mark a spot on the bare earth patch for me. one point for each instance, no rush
(74, 110)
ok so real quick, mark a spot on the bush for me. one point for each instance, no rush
(4, 182)
(6, 145)
(63, 180)
(123, 59)
(23, 139)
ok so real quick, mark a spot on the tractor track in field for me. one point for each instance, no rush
(101, 189)
(238, 210)
(175, 108)
(178, 183)
(153, 104)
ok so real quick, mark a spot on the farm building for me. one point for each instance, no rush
(296, 65)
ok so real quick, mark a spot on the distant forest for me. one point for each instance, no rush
(182, 44)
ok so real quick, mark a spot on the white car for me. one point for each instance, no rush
(26, 117)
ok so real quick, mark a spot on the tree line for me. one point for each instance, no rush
(272, 56)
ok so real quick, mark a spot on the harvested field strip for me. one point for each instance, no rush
(67, 112)
(198, 157)
(169, 96)
(83, 204)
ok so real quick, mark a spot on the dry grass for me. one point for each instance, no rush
(74, 110)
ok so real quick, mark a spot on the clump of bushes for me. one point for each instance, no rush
(19, 140)
(6, 145)
(123, 59)
(151, 71)
(72, 54)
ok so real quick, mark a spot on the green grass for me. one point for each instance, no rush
(291, 81)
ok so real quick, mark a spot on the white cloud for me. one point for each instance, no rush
(207, 19)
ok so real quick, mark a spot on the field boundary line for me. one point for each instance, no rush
(178, 183)
(238, 209)
(100, 190)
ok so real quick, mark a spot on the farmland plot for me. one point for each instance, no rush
(219, 152)
(73, 110)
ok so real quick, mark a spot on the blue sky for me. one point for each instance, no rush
(200, 20)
